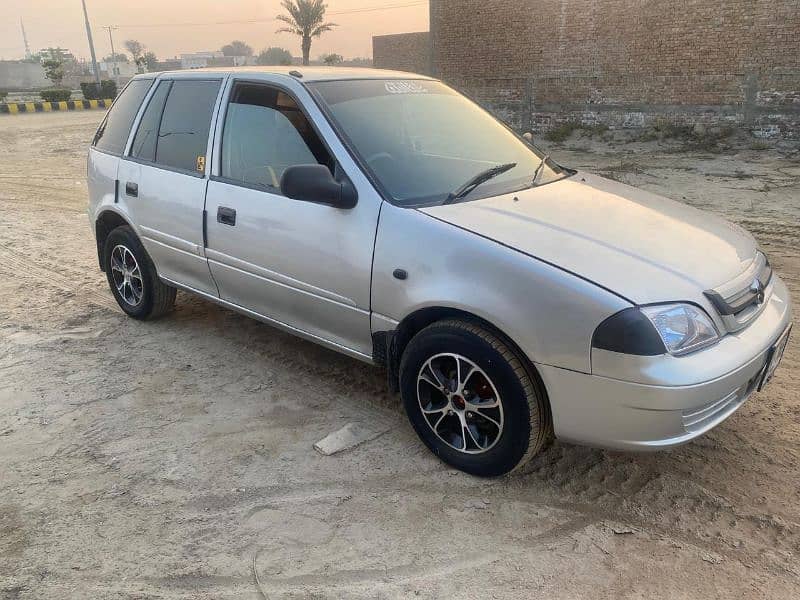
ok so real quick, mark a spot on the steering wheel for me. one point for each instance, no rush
(257, 173)
(379, 156)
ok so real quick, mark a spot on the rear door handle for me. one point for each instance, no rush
(132, 189)
(226, 216)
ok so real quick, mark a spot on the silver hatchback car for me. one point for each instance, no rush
(386, 216)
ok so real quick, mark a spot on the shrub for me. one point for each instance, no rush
(664, 129)
(108, 89)
(274, 56)
(760, 145)
(3, 96)
(55, 95)
(648, 135)
(562, 131)
(597, 129)
(667, 129)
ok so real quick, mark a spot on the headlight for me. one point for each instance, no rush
(658, 329)
(682, 327)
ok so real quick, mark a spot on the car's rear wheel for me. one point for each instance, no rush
(132, 277)
(471, 400)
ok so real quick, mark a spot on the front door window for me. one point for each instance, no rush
(265, 132)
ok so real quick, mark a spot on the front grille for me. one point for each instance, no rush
(741, 300)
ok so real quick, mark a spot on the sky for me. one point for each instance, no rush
(169, 27)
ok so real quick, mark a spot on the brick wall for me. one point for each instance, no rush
(624, 62)
(402, 52)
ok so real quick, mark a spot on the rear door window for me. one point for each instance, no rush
(144, 143)
(185, 124)
(113, 133)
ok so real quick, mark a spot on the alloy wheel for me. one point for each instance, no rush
(127, 276)
(460, 403)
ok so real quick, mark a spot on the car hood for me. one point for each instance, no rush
(639, 245)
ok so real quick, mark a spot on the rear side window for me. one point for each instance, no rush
(185, 123)
(144, 143)
(113, 133)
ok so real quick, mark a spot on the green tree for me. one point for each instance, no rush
(237, 48)
(332, 59)
(119, 56)
(274, 56)
(54, 70)
(150, 60)
(305, 18)
(136, 48)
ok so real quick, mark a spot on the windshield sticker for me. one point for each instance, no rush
(405, 87)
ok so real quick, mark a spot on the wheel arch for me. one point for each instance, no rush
(418, 320)
(106, 222)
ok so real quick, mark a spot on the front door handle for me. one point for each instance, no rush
(132, 189)
(226, 216)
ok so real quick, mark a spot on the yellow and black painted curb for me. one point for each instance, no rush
(15, 108)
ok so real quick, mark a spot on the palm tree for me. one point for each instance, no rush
(306, 18)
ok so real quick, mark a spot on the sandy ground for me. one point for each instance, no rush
(174, 459)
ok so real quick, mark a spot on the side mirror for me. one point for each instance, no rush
(528, 137)
(314, 183)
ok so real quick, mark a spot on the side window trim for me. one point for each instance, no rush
(137, 120)
(211, 133)
(140, 118)
(250, 186)
(211, 146)
(216, 169)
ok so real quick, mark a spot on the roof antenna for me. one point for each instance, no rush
(297, 74)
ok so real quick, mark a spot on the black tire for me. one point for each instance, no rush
(156, 298)
(526, 424)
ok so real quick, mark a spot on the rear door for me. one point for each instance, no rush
(163, 177)
(109, 143)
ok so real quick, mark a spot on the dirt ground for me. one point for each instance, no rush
(174, 459)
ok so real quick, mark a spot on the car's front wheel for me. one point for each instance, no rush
(471, 400)
(132, 277)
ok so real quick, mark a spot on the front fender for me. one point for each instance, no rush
(549, 313)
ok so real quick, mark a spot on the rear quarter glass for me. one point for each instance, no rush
(113, 133)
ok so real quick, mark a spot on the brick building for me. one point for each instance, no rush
(403, 52)
(622, 62)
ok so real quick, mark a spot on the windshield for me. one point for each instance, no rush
(423, 141)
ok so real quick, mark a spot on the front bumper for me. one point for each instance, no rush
(668, 401)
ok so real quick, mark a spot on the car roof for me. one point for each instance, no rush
(309, 73)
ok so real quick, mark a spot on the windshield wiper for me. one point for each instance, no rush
(539, 169)
(479, 179)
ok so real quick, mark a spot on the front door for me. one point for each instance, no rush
(300, 264)
(163, 182)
